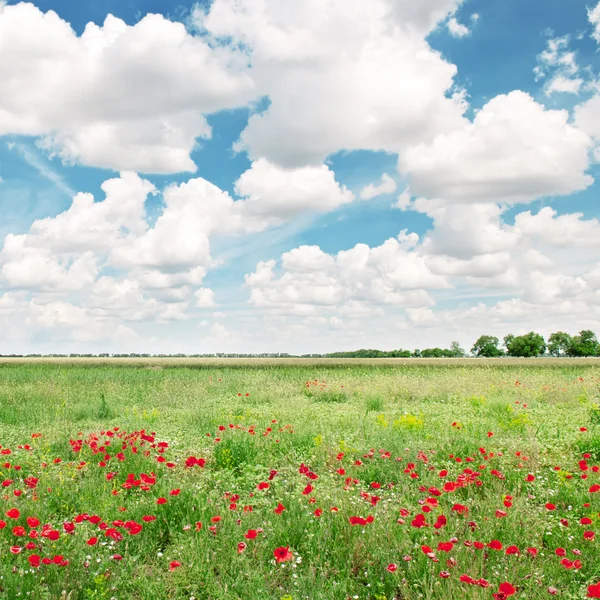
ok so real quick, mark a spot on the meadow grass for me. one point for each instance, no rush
(312, 423)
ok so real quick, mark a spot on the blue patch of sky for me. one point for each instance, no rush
(500, 54)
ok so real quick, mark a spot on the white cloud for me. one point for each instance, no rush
(565, 85)
(558, 62)
(386, 186)
(483, 232)
(423, 16)
(272, 192)
(567, 231)
(205, 298)
(514, 151)
(403, 200)
(117, 96)
(587, 119)
(125, 299)
(340, 75)
(96, 226)
(456, 29)
(180, 238)
(594, 19)
(28, 267)
(312, 279)
(421, 317)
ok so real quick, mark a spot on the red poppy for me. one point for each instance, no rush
(392, 567)
(593, 591)
(34, 560)
(282, 554)
(507, 589)
(174, 564)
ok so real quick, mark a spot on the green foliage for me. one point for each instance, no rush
(526, 346)
(374, 404)
(584, 344)
(559, 343)
(326, 396)
(487, 346)
(104, 411)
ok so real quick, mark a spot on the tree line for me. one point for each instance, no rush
(560, 343)
(529, 345)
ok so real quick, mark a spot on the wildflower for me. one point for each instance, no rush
(392, 567)
(282, 554)
(34, 560)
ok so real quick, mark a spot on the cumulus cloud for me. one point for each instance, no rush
(277, 192)
(386, 186)
(205, 298)
(559, 65)
(594, 19)
(587, 119)
(456, 29)
(337, 74)
(388, 274)
(514, 151)
(118, 96)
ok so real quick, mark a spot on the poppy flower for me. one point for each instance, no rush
(241, 547)
(507, 589)
(174, 564)
(279, 508)
(593, 591)
(392, 567)
(34, 560)
(13, 513)
(282, 554)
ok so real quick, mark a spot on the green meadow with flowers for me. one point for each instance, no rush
(300, 481)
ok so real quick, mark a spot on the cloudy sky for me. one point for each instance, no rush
(285, 176)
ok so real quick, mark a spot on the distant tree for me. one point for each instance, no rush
(526, 346)
(416, 353)
(432, 353)
(584, 344)
(559, 343)
(457, 351)
(487, 346)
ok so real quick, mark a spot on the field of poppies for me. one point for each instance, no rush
(301, 481)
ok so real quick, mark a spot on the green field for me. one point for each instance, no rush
(398, 480)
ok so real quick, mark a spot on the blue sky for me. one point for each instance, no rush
(275, 177)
